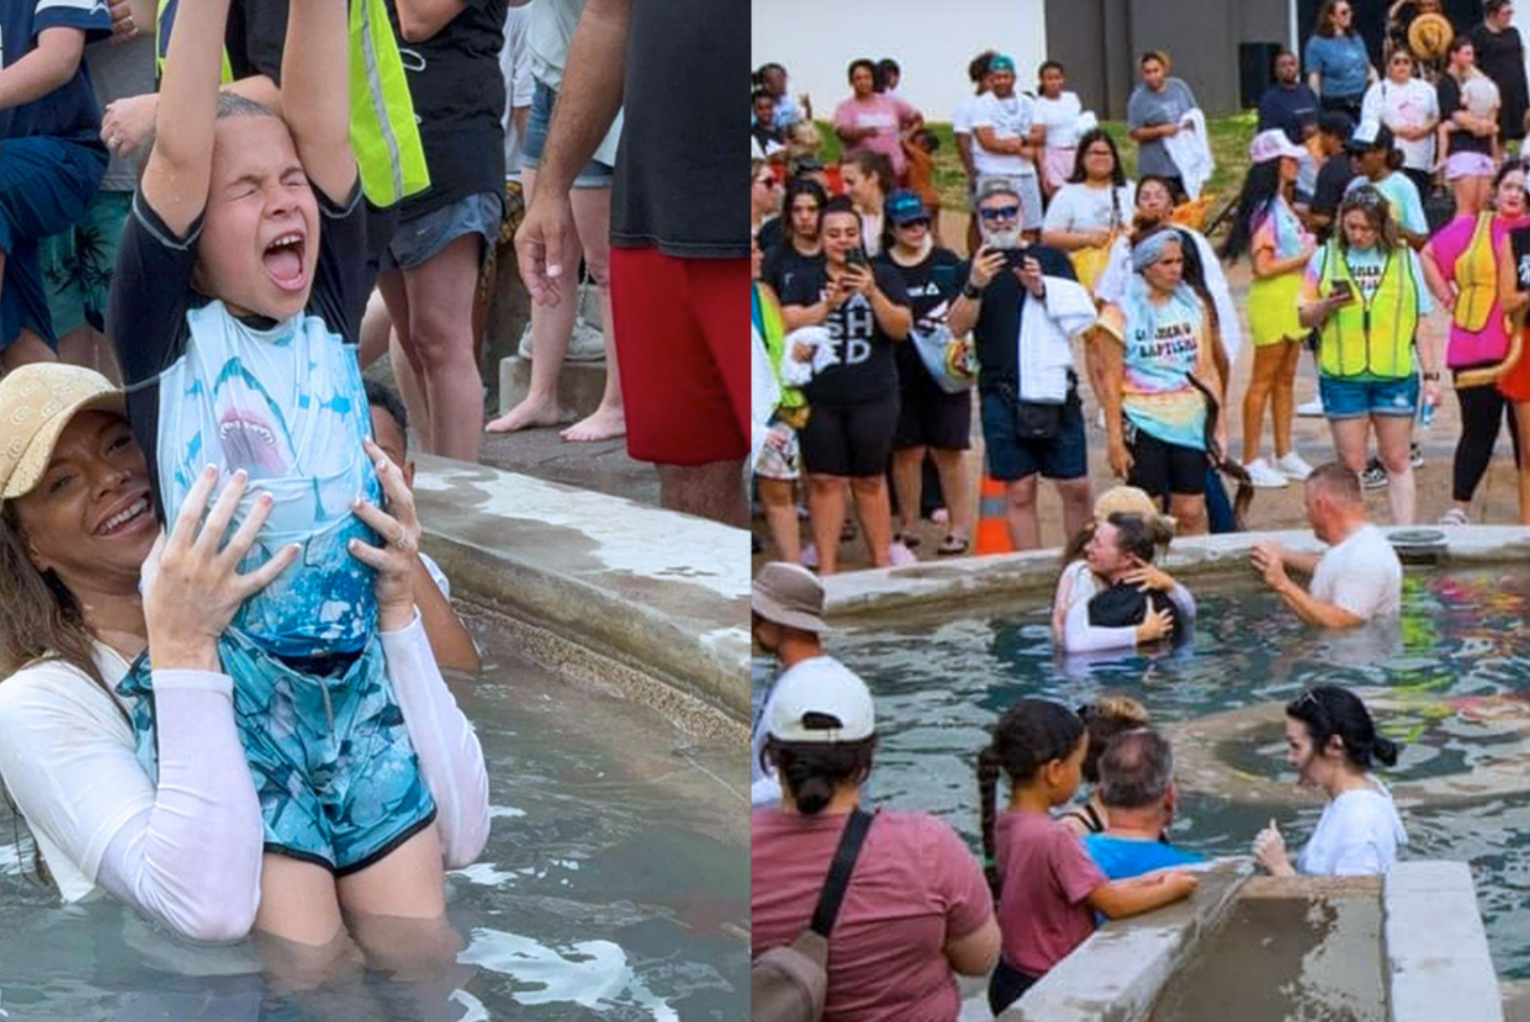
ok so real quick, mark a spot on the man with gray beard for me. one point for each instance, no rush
(1028, 428)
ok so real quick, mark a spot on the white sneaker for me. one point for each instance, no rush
(1311, 409)
(1263, 476)
(1293, 466)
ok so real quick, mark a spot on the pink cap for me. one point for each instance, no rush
(1272, 145)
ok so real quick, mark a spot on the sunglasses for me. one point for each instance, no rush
(1001, 213)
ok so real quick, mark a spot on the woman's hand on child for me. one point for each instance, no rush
(1156, 624)
(1148, 577)
(400, 530)
(191, 584)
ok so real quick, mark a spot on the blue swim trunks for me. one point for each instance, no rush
(338, 780)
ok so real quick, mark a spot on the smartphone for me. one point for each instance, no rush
(1342, 289)
(1014, 258)
(857, 257)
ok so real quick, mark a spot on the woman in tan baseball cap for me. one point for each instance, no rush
(87, 586)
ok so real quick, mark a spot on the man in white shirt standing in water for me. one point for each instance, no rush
(1358, 579)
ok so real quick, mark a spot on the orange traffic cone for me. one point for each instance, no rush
(993, 523)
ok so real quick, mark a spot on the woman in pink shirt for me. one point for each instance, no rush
(1463, 264)
(874, 121)
(916, 910)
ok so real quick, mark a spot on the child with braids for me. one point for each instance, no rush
(1047, 887)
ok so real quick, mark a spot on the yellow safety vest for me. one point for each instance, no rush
(384, 132)
(1476, 273)
(1375, 337)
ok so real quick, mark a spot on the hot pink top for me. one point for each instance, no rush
(1491, 342)
(885, 113)
(1046, 876)
(915, 888)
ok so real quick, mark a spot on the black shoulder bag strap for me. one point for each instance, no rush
(839, 872)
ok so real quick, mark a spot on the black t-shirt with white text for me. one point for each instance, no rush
(866, 370)
(997, 333)
(932, 285)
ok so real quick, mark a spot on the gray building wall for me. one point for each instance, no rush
(1100, 42)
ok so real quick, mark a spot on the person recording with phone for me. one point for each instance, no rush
(863, 310)
(1365, 294)
(1032, 420)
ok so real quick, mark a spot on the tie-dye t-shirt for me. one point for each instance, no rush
(1163, 347)
(1280, 231)
(281, 400)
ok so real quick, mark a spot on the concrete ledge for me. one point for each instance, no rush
(970, 580)
(663, 593)
(1117, 974)
(1438, 962)
(580, 385)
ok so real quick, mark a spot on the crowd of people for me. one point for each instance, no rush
(910, 907)
(1374, 207)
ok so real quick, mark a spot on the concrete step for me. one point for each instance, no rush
(580, 385)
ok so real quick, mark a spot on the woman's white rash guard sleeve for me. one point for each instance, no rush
(189, 856)
(450, 757)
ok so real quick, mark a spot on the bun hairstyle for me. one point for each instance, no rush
(1110, 715)
(1329, 710)
(812, 771)
(1031, 734)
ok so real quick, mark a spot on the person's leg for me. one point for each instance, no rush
(1189, 511)
(406, 361)
(714, 490)
(592, 221)
(376, 326)
(1481, 415)
(1283, 395)
(298, 902)
(776, 495)
(28, 349)
(908, 481)
(550, 330)
(1076, 504)
(1269, 361)
(440, 336)
(1024, 529)
(1522, 427)
(951, 465)
(1349, 441)
(826, 511)
(1394, 434)
(875, 513)
(407, 883)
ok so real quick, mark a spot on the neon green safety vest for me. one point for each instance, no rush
(1370, 338)
(384, 132)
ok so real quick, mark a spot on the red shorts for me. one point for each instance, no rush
(1515, 384)
(682, 331)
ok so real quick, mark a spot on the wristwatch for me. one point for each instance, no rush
(972, 292)
(1431, 377)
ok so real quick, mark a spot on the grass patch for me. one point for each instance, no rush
(1230, 137)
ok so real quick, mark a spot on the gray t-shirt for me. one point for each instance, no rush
(117, 72)
(550, 32)
(1148, 109)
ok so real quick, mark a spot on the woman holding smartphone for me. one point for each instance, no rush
(1364, 292)
(848, 439)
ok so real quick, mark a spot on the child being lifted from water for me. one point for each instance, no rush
(235, 312)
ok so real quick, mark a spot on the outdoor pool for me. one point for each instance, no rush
(1451, 679)
(614, 887)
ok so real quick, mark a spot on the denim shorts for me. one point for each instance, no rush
(1349, 399)
(338, 780)
(418, 239)
(1065, 455)
(594, 175)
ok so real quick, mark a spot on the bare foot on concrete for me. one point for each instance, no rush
(529, 414)
(604, 424)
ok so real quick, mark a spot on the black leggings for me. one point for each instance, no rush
(1006, 985)
(1482, 410)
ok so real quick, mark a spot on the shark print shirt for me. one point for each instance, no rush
(281, 400)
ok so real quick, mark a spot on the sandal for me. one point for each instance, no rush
(952, 546)
(908, 539)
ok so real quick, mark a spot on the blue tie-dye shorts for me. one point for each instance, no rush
(338, 780)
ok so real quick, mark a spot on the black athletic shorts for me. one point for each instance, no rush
(850, 440)
(1163, 469)
(929, 417)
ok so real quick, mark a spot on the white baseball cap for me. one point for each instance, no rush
(1272, 145)
(811, 698)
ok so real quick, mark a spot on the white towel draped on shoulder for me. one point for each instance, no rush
(1045, 354)
(1191, 152)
